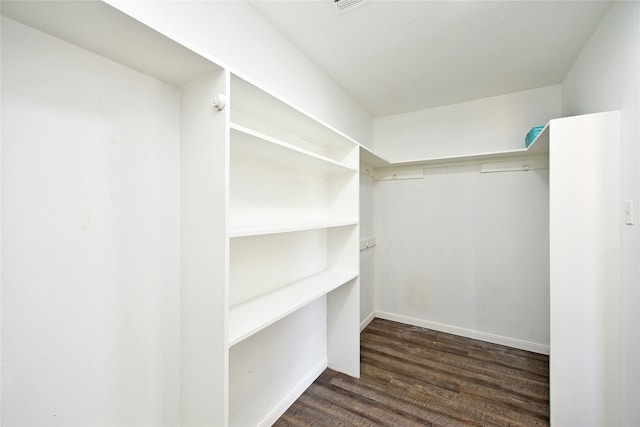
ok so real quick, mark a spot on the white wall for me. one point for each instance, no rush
(90, 238)
(606, 76)
(234, 35)
(467, 253)
(485, 125)
(464, 251)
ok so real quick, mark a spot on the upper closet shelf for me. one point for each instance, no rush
(539, 146)
(104, 30)
(256, 314)
(370, 158)
(261, 108)
(255, 144)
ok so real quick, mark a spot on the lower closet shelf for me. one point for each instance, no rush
(249, 317)
(261, 230)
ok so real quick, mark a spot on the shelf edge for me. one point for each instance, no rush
(345, 277)
(235, 232)
(285, 145)
(539, 146)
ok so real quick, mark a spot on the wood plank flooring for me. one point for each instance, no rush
(413, 376)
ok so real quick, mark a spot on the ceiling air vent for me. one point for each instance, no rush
(346, 5)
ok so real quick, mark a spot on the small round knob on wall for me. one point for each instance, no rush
(219, 101)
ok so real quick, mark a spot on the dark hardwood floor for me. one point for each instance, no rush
(413, 376)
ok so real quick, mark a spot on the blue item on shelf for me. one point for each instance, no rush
(531, 136)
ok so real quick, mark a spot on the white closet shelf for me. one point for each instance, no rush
(260, 230)
(370, 158)
(248, 142)
(252, 316)
(252, 101)
(539, 146)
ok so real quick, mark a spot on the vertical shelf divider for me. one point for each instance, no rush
(204, 253)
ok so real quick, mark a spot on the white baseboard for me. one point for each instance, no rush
(367, 320)
(282, 407)
(345, 370)
(468, 333)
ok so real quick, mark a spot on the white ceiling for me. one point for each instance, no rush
(398, 56)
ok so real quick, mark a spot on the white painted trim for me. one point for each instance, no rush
(345, 369)
(282, 407)
(367, 320)
(398, 173)
(468, 333)
(515, 166)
